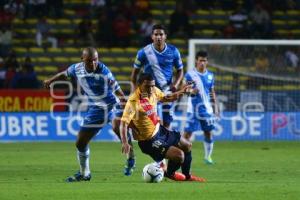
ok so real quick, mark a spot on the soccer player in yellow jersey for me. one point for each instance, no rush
(140, 114)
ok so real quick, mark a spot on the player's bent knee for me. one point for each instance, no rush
(180, 157)
(186, 147)
(175, 154)
(185, 144)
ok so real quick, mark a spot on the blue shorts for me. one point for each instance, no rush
(97, 117)
(204, 122)
(158, 145)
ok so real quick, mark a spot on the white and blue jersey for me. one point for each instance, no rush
(99, 87)
(159, 64)
(200, 111)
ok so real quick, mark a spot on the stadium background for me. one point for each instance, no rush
(39, 40)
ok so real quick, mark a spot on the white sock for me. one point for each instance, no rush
(84, 162)
(208, 149)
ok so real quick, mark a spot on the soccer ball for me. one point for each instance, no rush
(153, 173)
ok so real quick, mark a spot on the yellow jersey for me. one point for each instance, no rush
(142, 114)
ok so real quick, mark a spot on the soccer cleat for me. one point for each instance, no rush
(130, 165)
(78, 177)
(197, 179)
(208, 161)
(177, 176)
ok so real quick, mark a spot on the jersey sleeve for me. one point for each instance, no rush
(110, 78)
(139, 59)
(177, 61)
(129, 111)
(187, 77)
(159, 94)
(71, 71)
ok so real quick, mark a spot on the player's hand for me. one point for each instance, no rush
(125, 148)
(173, 88)
(47, 83)
(122, 103)
(187, 89)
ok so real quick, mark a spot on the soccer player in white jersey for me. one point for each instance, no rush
(100, 86)
(203, 109)
(158, 59)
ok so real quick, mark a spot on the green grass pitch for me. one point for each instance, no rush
(243, 170)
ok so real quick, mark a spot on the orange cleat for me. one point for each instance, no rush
(197, 179)
(178, 177)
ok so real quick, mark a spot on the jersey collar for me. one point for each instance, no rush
(97, 68)
(166, 46)
(201, 74)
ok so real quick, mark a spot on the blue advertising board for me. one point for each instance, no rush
(61, 126)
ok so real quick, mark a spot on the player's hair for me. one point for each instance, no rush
(159, 26)
(145, 77)
(201, 54)
(90, 50)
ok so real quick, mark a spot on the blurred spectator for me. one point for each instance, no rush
(28, 64)
(104, 34)
(146, 30)
(228, 31)
(261, 26)
(5, 41)
(5, 17)
(292, 59)
(262, 63)
(15, 7)
(11, 60)
(121, 28)
(127, 9)
(293, 4)
(43, 31)
(238, 19)
(261, 66)
(2, 72)
(11, 65)
(85, 32)
(142, 8)
(36, 8)
(55, 8)
(26, 77)
(97, 7)
(179, 23)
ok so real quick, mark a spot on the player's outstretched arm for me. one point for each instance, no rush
(121, 96)
(58, 76)
(186, 89)
(124, 139)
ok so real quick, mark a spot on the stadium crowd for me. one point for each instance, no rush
(120, 22)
